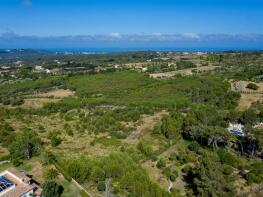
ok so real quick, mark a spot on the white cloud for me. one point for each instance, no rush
(192, 35)
(115, 35)
(141, 37)
(156, 34)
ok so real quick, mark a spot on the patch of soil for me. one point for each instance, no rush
(184, 72)
(37, 103)
(147, 122)
(58, 93)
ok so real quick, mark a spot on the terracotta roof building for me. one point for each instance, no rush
(14, 183)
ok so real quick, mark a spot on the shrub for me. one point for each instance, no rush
(48, 157)
(186, 168)
(54, 138)
(52, 189)
(252, 178)
(227, 158)
(145, 149)
(194, 146)
(55, 141)
(252, 86)
(101, 186)
(161, 164)
(50, 174)
(227, 170)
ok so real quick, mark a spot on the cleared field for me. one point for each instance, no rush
(248, 96)
(148, 122)
(37, 103)
(38, 100)
(247, 99)
(184, 72)
(57, 93)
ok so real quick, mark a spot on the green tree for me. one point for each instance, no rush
(25, 145)
(52, 189)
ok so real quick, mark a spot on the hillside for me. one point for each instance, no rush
(136, 135)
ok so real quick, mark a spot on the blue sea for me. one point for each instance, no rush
(108, 50)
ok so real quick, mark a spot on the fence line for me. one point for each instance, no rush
(81, 187)
(3, 162)
(72, 180)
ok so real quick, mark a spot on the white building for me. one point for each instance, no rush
(237, 129)
(16, 184)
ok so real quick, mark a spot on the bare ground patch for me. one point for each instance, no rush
(155, 174)
(247, 99)
(3, 151)
(248, 96)
(37, 102)
(147, 123)
(184, 72)
(58, 93)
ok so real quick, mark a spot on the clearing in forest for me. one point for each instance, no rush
(248, 96)
(184, 72)
(148, 122)
(57, 93)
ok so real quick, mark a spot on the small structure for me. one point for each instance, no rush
(258, 126)
(144, 69)
(236, 129)
(239, 86)
(14, 183)
(39, 68)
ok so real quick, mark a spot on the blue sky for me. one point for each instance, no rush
(112, 21)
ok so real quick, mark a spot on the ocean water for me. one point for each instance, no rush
(189, 49)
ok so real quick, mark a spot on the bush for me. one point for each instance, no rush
(252, 86)
(183, 64)
(145, 149)
(17, 161)
(68, 129)
(186, 168)
(161, 164)
(227, 170)
(55, 141)
(252, 178)
(17, 101)
(194, 146)
(227, 158)
(48, 158)
(50, 174)
(101, 186)
(169, 174)
(54, 138)
(52, 189)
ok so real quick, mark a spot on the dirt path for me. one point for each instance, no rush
(148, 122)
(170, 186)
